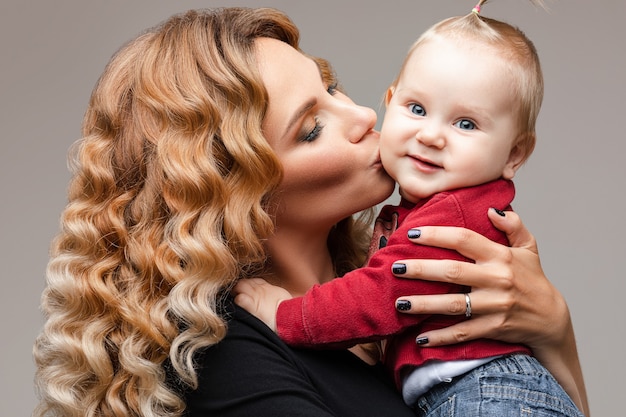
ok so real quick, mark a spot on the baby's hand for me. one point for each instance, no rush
(260, 298)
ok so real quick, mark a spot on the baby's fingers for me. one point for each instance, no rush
(248, 294)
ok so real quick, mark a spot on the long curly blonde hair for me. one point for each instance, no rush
(167, 209)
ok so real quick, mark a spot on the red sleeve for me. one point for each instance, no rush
(360, 306)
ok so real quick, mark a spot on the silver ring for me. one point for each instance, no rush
(468, 306)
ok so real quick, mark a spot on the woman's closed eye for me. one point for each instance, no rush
(312, 134)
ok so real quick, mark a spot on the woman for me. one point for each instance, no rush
(214, 151)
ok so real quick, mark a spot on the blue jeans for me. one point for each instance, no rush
(516, 385)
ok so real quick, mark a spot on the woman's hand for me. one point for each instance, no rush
(260, 298)
(511, 300)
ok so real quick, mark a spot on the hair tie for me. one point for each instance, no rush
(476, 9)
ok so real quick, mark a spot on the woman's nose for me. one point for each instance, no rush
(362, 120)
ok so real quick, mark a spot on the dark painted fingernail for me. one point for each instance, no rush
(398, 268)
(500, 212)
(414, 233)
(403, 305)
(421, 340)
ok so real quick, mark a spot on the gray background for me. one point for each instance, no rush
(570, 193)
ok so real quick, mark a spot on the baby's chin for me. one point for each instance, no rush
(413, 196)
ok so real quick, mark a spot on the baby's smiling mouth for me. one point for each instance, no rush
(424, 163)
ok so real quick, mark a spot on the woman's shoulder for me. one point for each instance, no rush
(252, 372)
(248, 340)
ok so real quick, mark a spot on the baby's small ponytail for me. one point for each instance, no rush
(476, 9)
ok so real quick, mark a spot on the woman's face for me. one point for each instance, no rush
(325, 142)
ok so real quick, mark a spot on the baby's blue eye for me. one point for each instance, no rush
(465, 124)
(332, 89)
(417, 109)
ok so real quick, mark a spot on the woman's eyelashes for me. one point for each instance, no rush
(332, 88)
(312, 134)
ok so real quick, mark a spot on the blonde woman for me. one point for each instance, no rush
(202, 164)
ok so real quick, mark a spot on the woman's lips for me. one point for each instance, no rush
(377, 161)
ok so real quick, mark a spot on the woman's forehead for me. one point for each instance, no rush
(292, 80)
(278, 59)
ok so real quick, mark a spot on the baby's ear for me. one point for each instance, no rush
(517, 156)
(389, 94)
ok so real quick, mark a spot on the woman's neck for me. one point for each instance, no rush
(299, 260)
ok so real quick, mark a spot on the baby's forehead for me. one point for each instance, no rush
(451, 43)
(437, 51)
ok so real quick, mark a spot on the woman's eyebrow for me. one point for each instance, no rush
(302, 110)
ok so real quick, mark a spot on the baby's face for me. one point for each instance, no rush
(451, 120)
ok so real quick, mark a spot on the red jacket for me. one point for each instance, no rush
(360, 306)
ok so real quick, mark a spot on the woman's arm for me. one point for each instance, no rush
(512, 300)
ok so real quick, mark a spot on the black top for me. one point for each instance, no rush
(253, 373)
